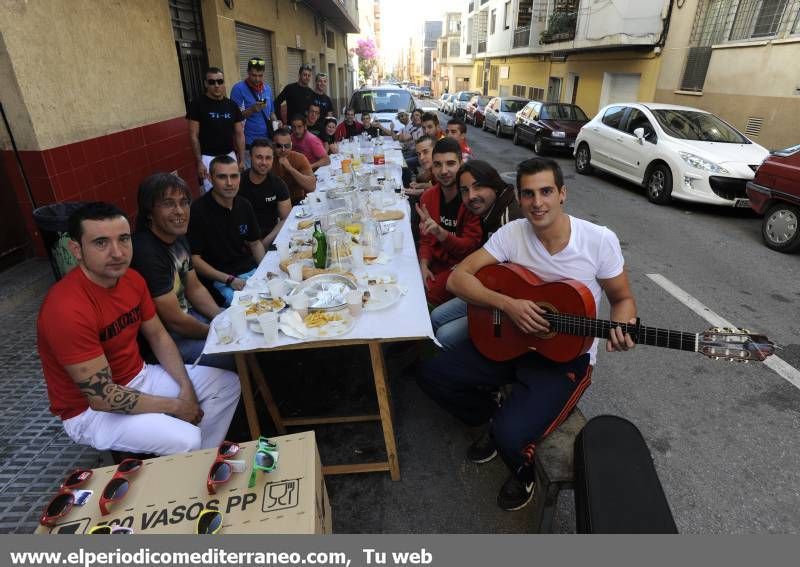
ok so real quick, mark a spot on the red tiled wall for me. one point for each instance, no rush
(108, 168)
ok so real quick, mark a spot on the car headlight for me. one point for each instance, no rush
(505, 120)
(559, 134)
(700, 163)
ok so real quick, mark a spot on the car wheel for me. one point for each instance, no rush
(583, 160)
(483, 125)
(780, 227)
(516, 139)
(498, 130)
(659, 185)
(538, 146)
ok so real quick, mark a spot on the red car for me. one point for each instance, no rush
(775, 193)
(475, 109)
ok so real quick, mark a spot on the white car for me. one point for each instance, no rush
(672, 151)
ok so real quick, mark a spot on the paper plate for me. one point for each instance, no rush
(382, 296)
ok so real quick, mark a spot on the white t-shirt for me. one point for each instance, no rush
(593, 253)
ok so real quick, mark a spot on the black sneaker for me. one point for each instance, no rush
(514, 494)
(482, 449)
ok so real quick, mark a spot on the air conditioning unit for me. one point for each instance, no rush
(558, 56)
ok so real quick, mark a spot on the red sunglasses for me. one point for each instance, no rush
(118, 486)
(62, 502)
(221, 471)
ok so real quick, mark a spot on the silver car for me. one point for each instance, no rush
(501, 114)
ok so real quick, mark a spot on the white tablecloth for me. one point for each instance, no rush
(408, 318)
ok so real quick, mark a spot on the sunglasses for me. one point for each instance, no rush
(215, 81)
(221, 470)
(209, 522)
(305, 68)
(322, 75)
(284, 146)
(259, 62)
(265, 459)
(111, 530)
(118, 486)
(62, 502)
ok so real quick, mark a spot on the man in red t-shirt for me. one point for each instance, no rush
(96, 379)
(449, 232)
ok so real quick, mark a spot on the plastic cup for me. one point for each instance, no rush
(224, 330)
(296, 271)
(238, 317)
(245, 299)
(276, 124)
(269, 327)
(397, 240)
(299, 303)
(354, 302)
(283, 249)
(277, 287)
(357, 253)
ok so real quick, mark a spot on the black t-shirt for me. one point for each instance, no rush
(351, 129)
(327, 138)
(325, 104)
(317, 128)
(373, 131)
(448, 212)
(163, 266)
(217, 119)
(298, 99)
(264, 198)
(220, 236)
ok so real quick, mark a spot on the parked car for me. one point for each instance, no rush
(425, 92)
(442, 100)
(775, 193)
(549, 125)
(501, 114)
(475, 109)
(383, 102)
(460, 103)
(449, 104)
(672, 151)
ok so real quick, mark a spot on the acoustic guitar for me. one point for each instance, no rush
(571, 312)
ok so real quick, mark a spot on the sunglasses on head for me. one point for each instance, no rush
(215, 81)
(305, 68)
(110, 530)
(322, 75)
(209, 522)
(284, 146)
(257, 62)
(221, 470)
(118, 486)
(62, 502)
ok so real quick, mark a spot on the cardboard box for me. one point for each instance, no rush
(168, 493)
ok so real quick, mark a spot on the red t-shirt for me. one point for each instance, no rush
(80, 320)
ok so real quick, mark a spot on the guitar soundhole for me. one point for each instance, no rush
(550, 308)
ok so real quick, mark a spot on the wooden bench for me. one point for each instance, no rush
(554, 469)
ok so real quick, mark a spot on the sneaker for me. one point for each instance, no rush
(482, 449)
(514, 494)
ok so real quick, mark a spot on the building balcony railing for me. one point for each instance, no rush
(481, 46)
(522, 37)
(471, 7)
(561, 27)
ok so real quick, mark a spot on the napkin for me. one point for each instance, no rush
(292, 325)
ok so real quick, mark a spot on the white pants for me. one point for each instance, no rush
(206, 162)
(218, 393)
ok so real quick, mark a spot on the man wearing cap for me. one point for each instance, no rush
(215, 126)
(254, 98)
(297, 96)
(321, 97)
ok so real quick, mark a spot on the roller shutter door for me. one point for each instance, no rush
(254, 42)
(294, 59)
(620, 87)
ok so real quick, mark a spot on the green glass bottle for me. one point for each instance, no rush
(320, 246)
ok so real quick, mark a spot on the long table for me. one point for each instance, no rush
(407, 319)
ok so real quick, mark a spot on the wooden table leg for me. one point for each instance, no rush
(381, 388)
(247, 394)
(266, 393)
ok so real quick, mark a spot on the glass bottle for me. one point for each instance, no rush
(319, 247)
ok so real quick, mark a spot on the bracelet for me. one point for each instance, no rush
(229, 280)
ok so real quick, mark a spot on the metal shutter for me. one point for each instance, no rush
(620, 87)
(294, 59)
(254, 42)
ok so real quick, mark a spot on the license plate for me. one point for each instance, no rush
(742, 203)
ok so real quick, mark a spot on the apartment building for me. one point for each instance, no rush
(738, 59)
(455, 65)
(87, 114)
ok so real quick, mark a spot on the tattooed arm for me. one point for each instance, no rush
(93, 377)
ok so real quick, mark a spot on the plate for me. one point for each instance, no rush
(326, 292)
(376, 276)
(302, 213)
(334, 328)
(264, 306)
(382, 296)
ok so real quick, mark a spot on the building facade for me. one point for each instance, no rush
(432, 32)
(88, 114)
(455, 66)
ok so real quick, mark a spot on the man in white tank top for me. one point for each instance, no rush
(555, 246)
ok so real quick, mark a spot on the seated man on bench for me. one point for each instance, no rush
(555, 246)
(97, 382)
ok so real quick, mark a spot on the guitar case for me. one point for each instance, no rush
(617, 490)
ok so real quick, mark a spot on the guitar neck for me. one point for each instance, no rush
(653, 336)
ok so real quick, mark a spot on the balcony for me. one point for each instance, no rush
(561, 27)
(481, 46)
(522, 37)
(471, 7)
(469, 49)
(338, 12)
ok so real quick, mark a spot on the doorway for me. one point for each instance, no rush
(554, 89)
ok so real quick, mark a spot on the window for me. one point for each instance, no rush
(506, 15)
(696, 125)
(493, 21)
(637, 119)
(512, 105)
(613, 116)
(454, 48)
(330, 39)
(494, 72)
(757, 18)
(518, 90)
(535, 93)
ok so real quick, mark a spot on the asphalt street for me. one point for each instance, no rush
(725, 437)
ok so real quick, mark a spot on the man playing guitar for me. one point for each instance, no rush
(555, 246)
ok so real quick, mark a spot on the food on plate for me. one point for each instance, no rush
(295, 257)
(365, 298)
(387, 215)
(308, 223)
(264, 306)
(320, 318)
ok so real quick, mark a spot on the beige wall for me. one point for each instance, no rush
(65, 68)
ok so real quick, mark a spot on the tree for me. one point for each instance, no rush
(367, 54)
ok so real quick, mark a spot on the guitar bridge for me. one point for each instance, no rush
(496, 314)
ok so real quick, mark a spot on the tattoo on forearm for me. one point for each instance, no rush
(119, 399)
